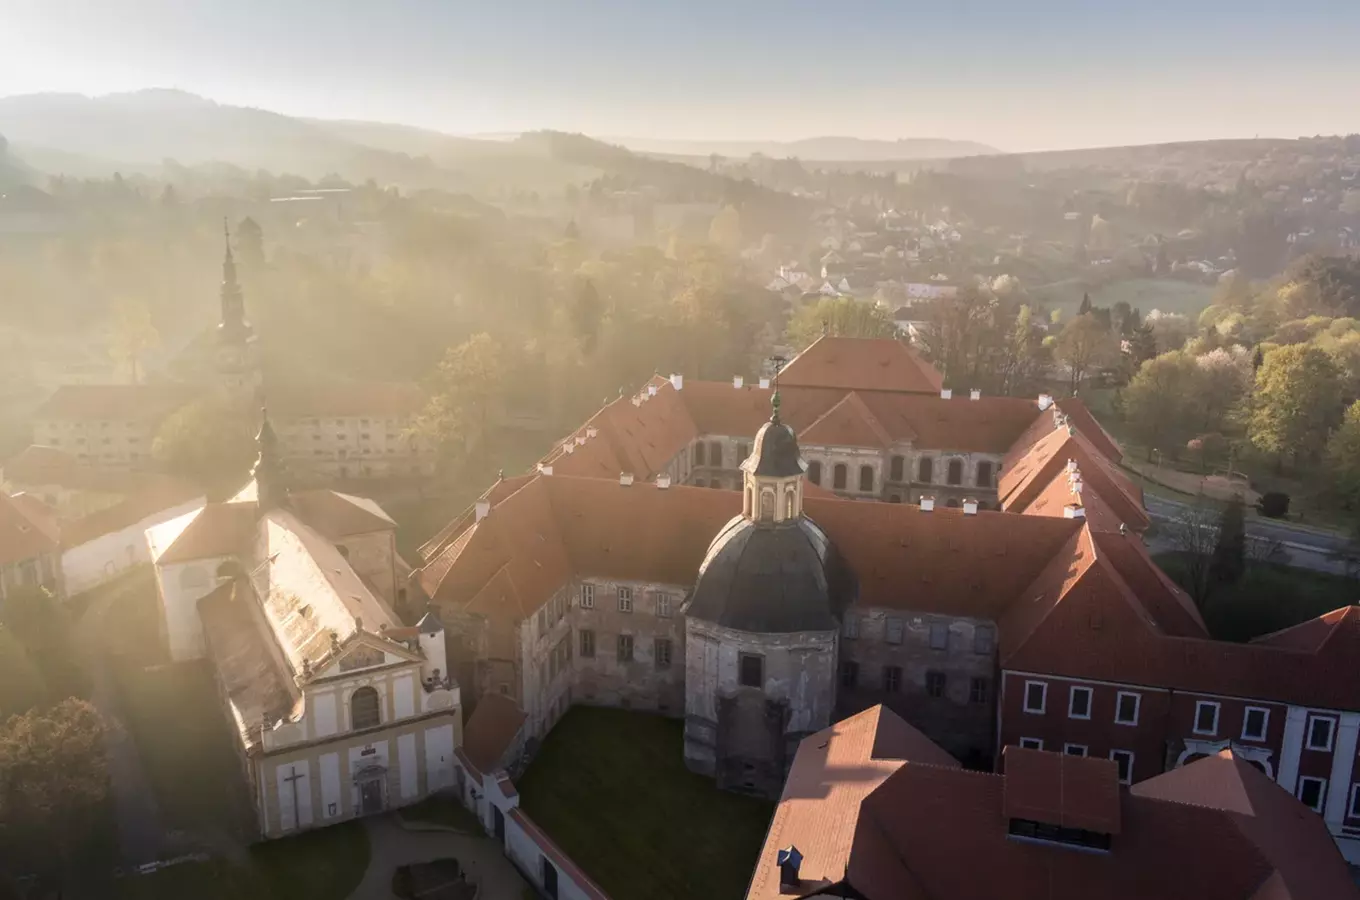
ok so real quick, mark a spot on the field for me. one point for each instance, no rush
(611, 788)
(1269, 597)
(1144, 294)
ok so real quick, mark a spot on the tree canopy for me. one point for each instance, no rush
(841, 316)
(1296, 404)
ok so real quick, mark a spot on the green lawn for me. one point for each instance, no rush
(1269, 597)
(326, 864)
(611, 788)
(188, 751)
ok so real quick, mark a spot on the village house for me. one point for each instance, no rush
(30, 546)
(338, 708)
(615, 574)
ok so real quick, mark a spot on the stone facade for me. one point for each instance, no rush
(937, 672)
(368, 446)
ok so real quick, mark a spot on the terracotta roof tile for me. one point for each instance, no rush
(849, 423)
(114, 402)
(220, 529)
(27, 529)
(348, 399)
(336, 515)
(861, 364)
(41, 466)
(1057, 789)
(129, 512)
(1029, 473)
(491, 731)
(1086, 424)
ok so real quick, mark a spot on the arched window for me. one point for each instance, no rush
(700, 450)
(866, 478)
(925, 470)
(984, 474)
(895, 468)
(838, 477)
(715, 454)
(766, 505)
(815, 472)
(953, 503)
(364, 711)
(955, 471)
(788, 503)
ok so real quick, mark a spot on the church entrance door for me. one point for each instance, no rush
(370, 796)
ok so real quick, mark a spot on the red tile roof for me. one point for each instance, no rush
(924, 832)
(115, 402)
(1080, 417)
(220, 529)
(129, 512)
(861, 364)
(39, 466)
(1030, 471)
(1057, 789)
(849, 424)
(28, 529)
(491, 730)
(339, 399)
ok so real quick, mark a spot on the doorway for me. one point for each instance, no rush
(370, 796)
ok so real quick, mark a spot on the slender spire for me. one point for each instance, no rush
(233, 325)
(271, 487)
(778, 362)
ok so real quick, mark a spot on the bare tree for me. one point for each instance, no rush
(1194, 535)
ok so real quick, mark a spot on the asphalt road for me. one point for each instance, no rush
(1300, 547)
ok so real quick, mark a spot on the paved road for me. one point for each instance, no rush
(140, 834)
(390, 846)
(1301, 547)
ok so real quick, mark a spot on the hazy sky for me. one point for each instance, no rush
(1018, 74)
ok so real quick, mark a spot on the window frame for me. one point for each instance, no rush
(1218, 711)
(977, 473)
(892, 679)
(943, 678)
(1137, 707)
(1031, 743)
(1072, 693)
(1351, 811)
(949, 478)
(979, 696)
(840, 476)
(849, 674)
(925, 470)
(587, 598)
(990, 633)
(1265, 723)
(1085, 749)
(889, 624)
(658, 645)
(619, 645)
(939, 628)
(866, 471)
(742, 660)
(850, 626)
(897, 468)
(814, 472)
(1322, 792)
(1043, 697)
(663, 606)
(366, 690)
(587, 637)
(625, 595)
(1331, 733)
(1127, 778)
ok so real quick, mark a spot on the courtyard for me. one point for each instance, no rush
(611, 788)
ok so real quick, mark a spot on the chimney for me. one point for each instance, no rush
(1071, 465)
(764, 384)
(927, 504)
(738, 381)
(678, 382)
(580, 440)
(663, 480)
(483, 509)
(789, 861)
(544, 469)
(637, 401)
(592, 431)
(975, 394)
(1045, 401)
(1076, 484)
(625, 478)
(946, 394)
(569, 448)
(1074, 511)
(970, 507)
(651, 390)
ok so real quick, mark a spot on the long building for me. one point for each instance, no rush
(615, 574)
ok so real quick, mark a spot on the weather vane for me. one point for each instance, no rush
(778, 363)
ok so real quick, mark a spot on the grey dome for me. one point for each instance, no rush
(773, 579)
(775, 451)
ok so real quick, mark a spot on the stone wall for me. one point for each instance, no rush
(961, 719)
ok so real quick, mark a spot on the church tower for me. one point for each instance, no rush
(761, 627)
(237, 365)
(271, 482)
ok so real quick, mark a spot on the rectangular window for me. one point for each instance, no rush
(1079, 703)
(984, 640)
(1036, 696)
(939, 636)
(1311, 792)
(587, 596)
(892, 679)
(894, 630)
(935, 682)
(1320, 731)
(1124, 760)
(979, 690)
(850, 627)
(1254, 723)
(663, 653)
(625, 648)
(752, 670)
(587, 644)
(1032, 743)
(1074, 749)
(1126, 708)
(663, 605)
(625, 599)
(849, 673)
(1353, 810)
(1206, 717)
